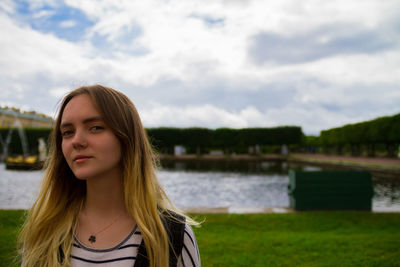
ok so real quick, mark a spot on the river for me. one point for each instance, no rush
(241, 186)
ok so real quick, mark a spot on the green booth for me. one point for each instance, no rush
(330, 190)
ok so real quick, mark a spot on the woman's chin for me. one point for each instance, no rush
(81, 175)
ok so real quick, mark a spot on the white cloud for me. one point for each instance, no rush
(43, 14)
(175, 40)
(59, 92)
(68, 23)
(350, 69)
(37, 4)
(8, 6)
(142, 47)
(25, 51)
(202, 116)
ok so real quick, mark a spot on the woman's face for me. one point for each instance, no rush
(89, 146)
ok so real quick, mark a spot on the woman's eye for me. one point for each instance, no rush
(66, 133)
(97, 128)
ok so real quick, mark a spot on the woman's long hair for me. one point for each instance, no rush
(47, 235)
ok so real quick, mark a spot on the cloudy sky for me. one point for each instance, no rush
(209, 63)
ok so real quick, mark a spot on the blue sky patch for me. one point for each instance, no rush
(124, 42)
(213, 21)
(61, 20)
(208, 20)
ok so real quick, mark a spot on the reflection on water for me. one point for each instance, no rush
(272, 178)
(207, 184)
(387, 192)
(224, 189)
(243, 167)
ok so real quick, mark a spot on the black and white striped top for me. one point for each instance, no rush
(124, 254)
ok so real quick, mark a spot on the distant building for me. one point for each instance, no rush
(179, 150)
(13, 117)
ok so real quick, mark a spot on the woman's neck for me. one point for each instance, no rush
(104, 221)
(104, 196)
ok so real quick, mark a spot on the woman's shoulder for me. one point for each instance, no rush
(190, 255)
(170, 215)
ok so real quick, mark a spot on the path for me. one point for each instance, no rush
(369, 161)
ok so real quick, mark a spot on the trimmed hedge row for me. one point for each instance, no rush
(196, 140)
(383, 130)
(199, 140)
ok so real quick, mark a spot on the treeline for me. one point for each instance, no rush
(361, 138)
(202, 140)
(195, 140)
(381, 135)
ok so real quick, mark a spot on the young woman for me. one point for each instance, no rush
(100, 203)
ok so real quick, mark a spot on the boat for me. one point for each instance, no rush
(23, 163)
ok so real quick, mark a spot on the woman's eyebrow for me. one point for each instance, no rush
(85, 121)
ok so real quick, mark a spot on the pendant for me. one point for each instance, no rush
(92, 239)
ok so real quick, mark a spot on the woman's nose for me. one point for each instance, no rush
(79, 140)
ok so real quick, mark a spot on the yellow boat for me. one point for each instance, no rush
(23, 163)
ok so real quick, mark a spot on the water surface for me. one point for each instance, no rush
(237, 185)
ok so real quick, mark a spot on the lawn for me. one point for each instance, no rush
(294, 239)
(300, 239)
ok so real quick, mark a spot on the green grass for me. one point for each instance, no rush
(10, 222)
(300, 239)
(295, 239)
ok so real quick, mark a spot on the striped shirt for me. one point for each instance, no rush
(124, 254)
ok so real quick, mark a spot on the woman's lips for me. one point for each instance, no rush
(80, 159)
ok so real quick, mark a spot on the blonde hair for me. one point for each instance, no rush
(47, 235)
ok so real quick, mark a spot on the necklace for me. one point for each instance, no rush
(92, 238)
